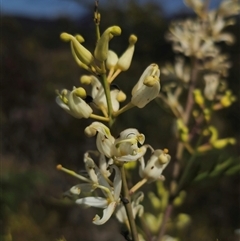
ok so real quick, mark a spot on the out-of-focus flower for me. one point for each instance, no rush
(191, 38)
(211, 85)
(219, 64)
(179, 71)
(197, 6)
(229, 8)
(147, 87)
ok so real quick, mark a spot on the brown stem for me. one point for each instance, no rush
(166, 216)
(180, 148)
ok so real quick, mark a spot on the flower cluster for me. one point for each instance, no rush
(105, 63)
(194, 89)
(113, 153)
(196, 39)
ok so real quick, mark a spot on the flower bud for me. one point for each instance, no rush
(83, 54)
(112, 59)
(126, 58)
(86, 79)
(101, 50)
(142, 94)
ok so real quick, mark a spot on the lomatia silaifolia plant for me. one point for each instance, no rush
(194, 90)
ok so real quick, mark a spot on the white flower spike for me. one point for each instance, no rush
(148, 86)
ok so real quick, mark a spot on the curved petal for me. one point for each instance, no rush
(145, 94)
(83, 187)
(117, 182)
(127, 158)
(98, 202)
(78, 106)
(107, 213)
(121, 214)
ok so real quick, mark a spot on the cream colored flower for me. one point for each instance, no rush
(126, 145)
(73, 103)
(104, 140)
(148, 86)
(111, 193)
(152, 170)
(211, 85)
(124, 148)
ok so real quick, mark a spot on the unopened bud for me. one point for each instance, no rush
(86, 79)
(101, 50)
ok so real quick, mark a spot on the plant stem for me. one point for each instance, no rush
(166, 216)
(128, 206)
(106, 87)
(179, 151)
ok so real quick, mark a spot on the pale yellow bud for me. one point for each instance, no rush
(79, 38)
(82, 53)
(112, 59)
(125, 60)
(65, 37)
(101, 50)
(85, 79)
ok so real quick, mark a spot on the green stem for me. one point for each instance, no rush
(124, 108)
(98, 117)
(128, 206)
(106, 87)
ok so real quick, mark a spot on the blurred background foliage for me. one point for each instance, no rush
(37, 134)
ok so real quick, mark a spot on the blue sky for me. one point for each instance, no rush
(55, 8)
